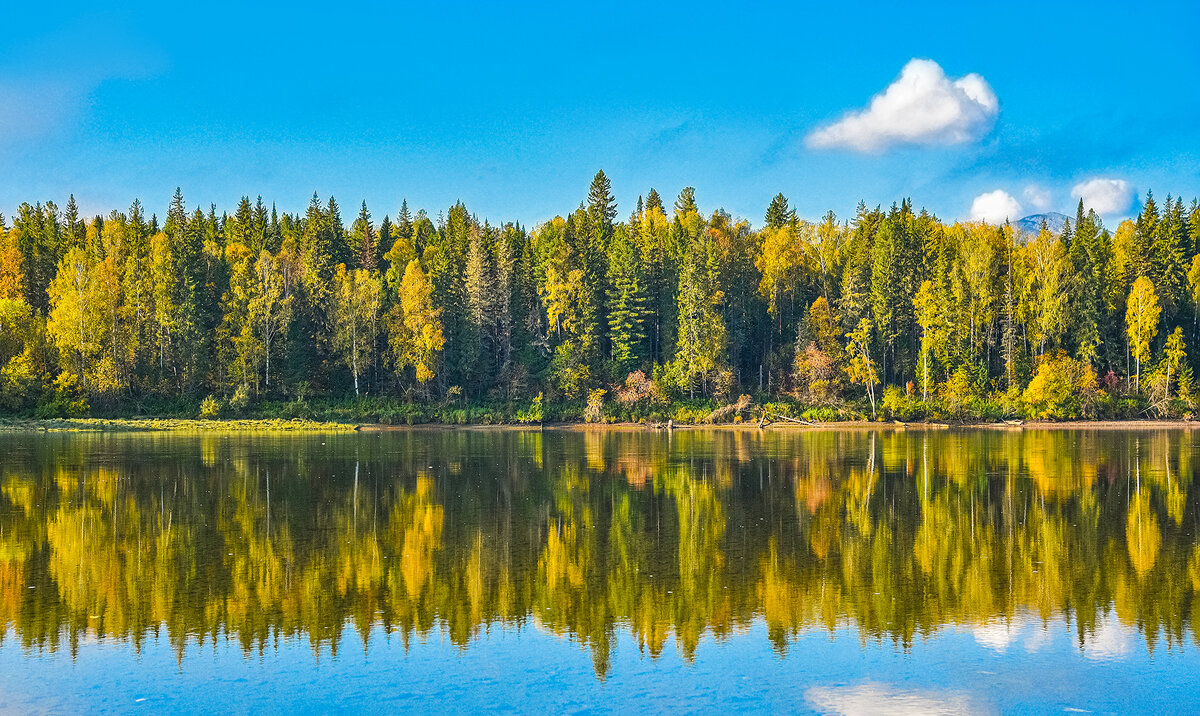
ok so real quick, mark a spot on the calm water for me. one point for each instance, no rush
(519, 570)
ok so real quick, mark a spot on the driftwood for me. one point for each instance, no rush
(788, 419)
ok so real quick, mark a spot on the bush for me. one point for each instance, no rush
(68, 401)
(210, 407)
(1062, 388)
(535, 413)
(241, 398)
(822, 414)
(594, 412)
(958, 392)
(690, 414)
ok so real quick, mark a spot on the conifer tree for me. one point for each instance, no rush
(363, 241)
(779, 212)
(626, 301)
(702, 336)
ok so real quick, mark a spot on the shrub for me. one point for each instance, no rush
(816, 375)
(535, 413)
(638, 390)
(68, 402)
(822, 414)
(594, 412)
(210, 407)
(1062, 387)
(958, 391)
(241, 398)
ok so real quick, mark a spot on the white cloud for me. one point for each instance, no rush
(922, 106)
(1109, 641)
(995, 207)
(1107, 196)
(1038, 197)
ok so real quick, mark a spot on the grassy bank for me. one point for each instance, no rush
(261, 425)
(329, 414)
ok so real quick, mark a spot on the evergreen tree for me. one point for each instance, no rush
(363, 241)
(626, 301)
(702, 336)
(779, 213)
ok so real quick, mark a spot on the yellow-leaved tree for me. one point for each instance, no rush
(414, 326)
(354, 309)
(1141, 323)
(929, 315)
(861, 368)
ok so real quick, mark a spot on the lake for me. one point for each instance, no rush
(822, 570)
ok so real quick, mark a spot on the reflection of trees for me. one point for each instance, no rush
(894, 533)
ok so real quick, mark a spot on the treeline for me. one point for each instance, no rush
(668, 313)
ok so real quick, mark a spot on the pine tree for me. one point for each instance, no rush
(686, 203)
(626, 301)
(654, 201)
(363, 241)
(404, 223)
(74, 229)
(779, 212)
(702, 336)
(602, 206)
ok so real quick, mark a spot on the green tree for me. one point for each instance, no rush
(1174, 358)
(626, 300)
(702, 334)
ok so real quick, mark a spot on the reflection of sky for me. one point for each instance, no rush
(1027, 664)
(1109, 640)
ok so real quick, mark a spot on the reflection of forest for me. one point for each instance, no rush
(893, 533)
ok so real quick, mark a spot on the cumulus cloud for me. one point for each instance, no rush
(1106, 196)
(995, 207)
(922, 106)
(1038, 197)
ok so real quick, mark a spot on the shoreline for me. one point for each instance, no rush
(172, 425)
(274, 425)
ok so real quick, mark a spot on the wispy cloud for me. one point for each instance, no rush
(1038, 197)
(48, 80)
(921, 107)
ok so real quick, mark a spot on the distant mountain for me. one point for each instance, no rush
(1031, 225)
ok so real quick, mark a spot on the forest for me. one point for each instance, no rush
(671, 313)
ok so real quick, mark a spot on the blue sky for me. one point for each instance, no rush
(512, 110)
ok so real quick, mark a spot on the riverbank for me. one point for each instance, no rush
(126, 425)
(274, 425)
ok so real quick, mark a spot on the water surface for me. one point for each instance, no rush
(784, 570)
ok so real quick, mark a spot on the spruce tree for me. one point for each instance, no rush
(779, 212)
(626, 301)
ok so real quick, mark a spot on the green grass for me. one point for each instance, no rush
(170, 424)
